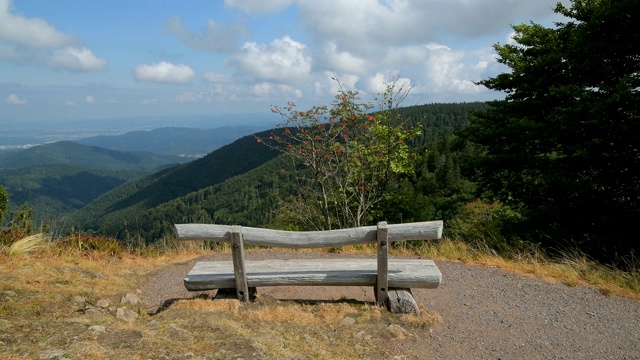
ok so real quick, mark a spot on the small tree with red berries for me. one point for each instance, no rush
(344, 156)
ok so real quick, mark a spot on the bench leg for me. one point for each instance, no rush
(232, 294)
(401, 301)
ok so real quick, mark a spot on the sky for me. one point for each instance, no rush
(76, 60)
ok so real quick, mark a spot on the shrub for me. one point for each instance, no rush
(487, 224)
(87, 244)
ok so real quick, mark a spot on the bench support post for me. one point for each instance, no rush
(242, 288)
(382, 282)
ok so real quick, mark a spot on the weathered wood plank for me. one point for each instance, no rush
(239, 268)
(402, 273)
(383, 263)
(429, 230)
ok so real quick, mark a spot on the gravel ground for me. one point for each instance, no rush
(487, 313)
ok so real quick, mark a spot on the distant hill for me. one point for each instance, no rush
(74, 153)
(109, 212)
(62, 177)
(52, 191)
(179, 141)
(238, 184)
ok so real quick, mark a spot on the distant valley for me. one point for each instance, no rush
(139, 183)
(60, 177)
(15, 136)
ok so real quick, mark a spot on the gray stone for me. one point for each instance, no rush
(178, 328)
(103, 303)
(398, 332)
(130, 298)
(126, 315)
(97, 328)
(348, 321)
(51, 354)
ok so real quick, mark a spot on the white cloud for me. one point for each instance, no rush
(377, 84)
(215, 37)
(266, 90)
(71, 103)
(90, 99)
(254, 6)
(216, 78)
(164, 72)
(284, 61)
(359, 40)
(34, 40)
(13, 99)
(448, 70)
(262, 89)
(80, 59)
(326, 85)
(32, 32)
(342, 61)
(364, 27)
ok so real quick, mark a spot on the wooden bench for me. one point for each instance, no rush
(391, 278)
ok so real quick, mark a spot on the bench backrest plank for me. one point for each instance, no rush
(428, 230)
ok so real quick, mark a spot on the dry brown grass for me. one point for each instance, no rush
(28, 245)
(41, 313)
(573, 268)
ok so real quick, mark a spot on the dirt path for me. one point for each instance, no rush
(487, 313)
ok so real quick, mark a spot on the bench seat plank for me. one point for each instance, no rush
(402, 273)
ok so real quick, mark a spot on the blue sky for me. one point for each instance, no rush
(80, 60)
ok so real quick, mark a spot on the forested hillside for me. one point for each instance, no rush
(53, 191)
(73, 153)
(216, 189)
(58, 178)
(117, 209)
